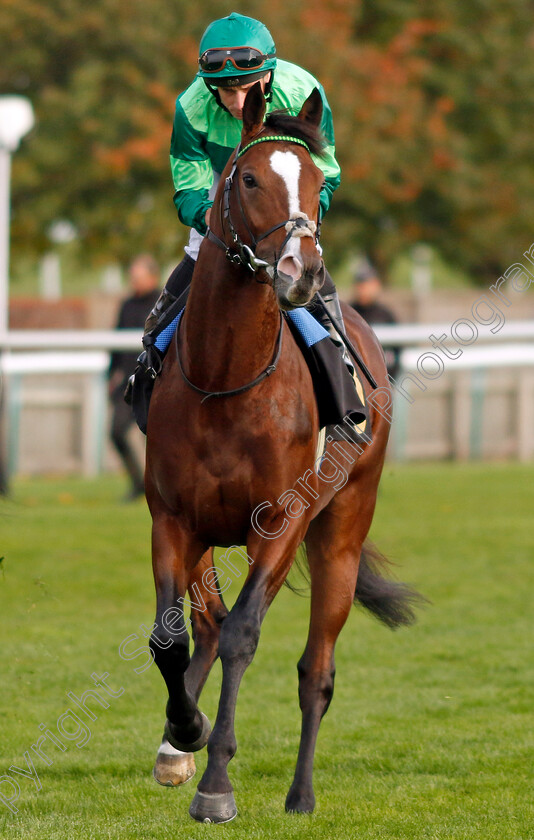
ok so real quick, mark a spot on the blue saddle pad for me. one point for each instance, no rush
(164, 338)
(310, 329)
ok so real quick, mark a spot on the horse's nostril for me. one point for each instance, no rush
(290, 266)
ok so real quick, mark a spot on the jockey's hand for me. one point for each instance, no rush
(207, 216)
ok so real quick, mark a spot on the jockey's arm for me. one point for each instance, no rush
(292, 87)
(192, 173)
(192, 184)
(327, 163)
(332, 176)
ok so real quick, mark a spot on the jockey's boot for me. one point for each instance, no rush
(158, 312)
(150, 359)
(333, 306)
(334, 310)
(160, 317)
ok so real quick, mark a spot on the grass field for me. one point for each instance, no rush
(430, 731)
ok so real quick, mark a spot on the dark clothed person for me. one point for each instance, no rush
(368, 289)
(144, 283)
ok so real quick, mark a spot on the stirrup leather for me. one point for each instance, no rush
(334, 310)
(150, 360)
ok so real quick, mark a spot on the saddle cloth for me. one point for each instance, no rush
(309, 329)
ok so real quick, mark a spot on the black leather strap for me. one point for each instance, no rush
(234, 391)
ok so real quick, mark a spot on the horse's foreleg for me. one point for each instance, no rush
(333, 553)
(271, 560)
(174, 554)
(206, 626)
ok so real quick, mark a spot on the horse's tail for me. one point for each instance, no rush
(388, 600)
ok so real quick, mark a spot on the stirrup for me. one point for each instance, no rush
(150, 360)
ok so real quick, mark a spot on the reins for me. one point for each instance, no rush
(234, 391)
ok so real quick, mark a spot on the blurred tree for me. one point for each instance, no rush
(482, 60)
(433, 115)
(103, 79)
(432, 107)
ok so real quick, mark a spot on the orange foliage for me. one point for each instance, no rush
(186, 50)
(442, 159)
(336, 16)
(358, 171)
(150, 145)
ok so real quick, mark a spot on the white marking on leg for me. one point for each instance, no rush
(168, 749)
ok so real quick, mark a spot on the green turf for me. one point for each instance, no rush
(430, 731)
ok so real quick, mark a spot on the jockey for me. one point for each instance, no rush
(235, 53)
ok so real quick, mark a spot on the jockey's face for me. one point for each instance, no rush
(233, 98)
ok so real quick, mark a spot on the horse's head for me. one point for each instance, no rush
(275, 203)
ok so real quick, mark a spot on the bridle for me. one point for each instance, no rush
(241, 254)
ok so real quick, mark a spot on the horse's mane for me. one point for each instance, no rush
(284, 123)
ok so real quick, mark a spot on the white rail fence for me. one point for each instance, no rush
(479, 404)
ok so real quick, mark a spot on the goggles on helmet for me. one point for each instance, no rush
(243, 58)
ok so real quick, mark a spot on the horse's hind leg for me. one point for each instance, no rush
(333, 553)
(175, 553)
(175, 767)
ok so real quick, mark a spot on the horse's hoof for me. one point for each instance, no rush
(200, 742)
(213, 807)
(300, 803)
(173, 767)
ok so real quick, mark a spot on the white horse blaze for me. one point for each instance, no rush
(287, 166)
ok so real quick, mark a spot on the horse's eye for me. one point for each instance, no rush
(249, 181)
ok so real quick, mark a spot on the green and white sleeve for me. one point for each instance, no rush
(327, 163)
(192, 172)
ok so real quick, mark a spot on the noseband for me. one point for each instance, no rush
(245, 255)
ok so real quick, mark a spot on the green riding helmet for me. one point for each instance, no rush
(235, 50)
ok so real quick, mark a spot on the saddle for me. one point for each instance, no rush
(340, 397)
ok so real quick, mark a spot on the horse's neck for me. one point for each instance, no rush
(230, 326)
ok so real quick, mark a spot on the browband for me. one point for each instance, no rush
(272, 137)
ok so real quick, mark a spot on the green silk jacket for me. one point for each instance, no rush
(205, 134)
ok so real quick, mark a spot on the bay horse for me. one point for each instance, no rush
(232, 427)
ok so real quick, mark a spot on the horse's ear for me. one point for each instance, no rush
(312, 110)
(253, 111)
